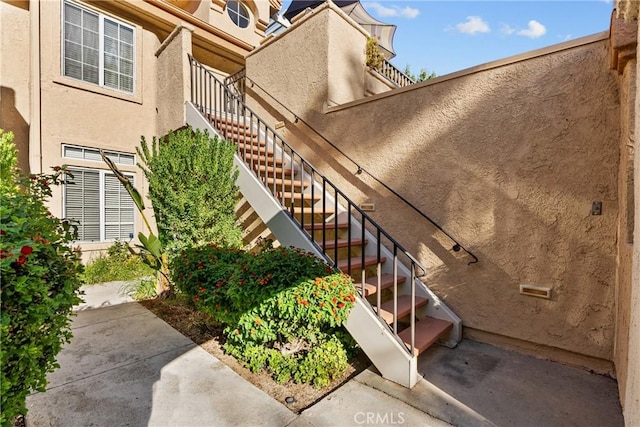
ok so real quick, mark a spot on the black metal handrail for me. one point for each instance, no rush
(235, 82)
(390, 71)
(456, 247)
(292, 181)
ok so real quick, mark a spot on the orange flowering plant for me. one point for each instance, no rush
(283, 308)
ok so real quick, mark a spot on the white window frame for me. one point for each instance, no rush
(102, 205)
(111, 154)
(101, 18)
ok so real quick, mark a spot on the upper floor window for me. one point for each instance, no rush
(238, 13)
(97, 49)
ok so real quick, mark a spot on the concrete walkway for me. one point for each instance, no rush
(126, 367)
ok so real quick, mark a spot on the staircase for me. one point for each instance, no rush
(396, 317)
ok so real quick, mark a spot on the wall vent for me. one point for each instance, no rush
(535, 291)
(368, 207)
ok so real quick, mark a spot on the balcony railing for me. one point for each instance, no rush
(391, 72)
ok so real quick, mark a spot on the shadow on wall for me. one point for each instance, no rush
(22, 4)
(510, 167)
(507, 160)
(12, 120)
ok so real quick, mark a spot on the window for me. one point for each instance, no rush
(84, 153)
(97, 49)
(100, 204)
(238, 13)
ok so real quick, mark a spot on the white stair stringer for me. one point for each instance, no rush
(385, 349)
(275, 217)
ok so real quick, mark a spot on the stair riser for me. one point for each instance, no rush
(269, 171)
(254, 160)
(317, 217)
(343, 253)
(299, 203)
(330, 234)
(236, 134)
(247, 142)
(356, 272)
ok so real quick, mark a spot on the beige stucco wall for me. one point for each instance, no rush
(83, 114)
(375, 83)
(173, 72)
(631, 401)
(507, 159)
(627, 84)
(15, 94)
(59, 110)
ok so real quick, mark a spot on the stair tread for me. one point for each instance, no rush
(386, 281)
(271, 170)
(242, 142)
(257, 158)
(342, 243)
(287, 182)
(317, 210)
(356, 262)
(254, 149)
(404, 307)
(234, 130)
(428, 330)
(298, 196)
(233, 119)
(329, 225)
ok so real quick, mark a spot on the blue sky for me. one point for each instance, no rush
(447, 36)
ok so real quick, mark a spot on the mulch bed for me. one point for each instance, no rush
(207, 333)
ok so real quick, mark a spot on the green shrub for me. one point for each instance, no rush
(40, 281)
(140, 289)
(8, 161)
(192, 188)
(283, 308)
(117, 264)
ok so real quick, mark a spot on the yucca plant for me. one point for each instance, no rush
(151, 249)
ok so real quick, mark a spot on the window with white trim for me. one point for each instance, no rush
(100, 204)
(97, 49)
(238, 13)
(93, 154)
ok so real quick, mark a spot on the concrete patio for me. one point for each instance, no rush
(125, 366)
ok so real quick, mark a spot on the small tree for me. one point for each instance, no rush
(192, 186)
(40, 281)
(424, 74)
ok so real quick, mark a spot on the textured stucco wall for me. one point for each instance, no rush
(508, 160)
(15, 95)
(374, 83)
(62, 110)
(346, 67)
(627, 84)
(632, 394)
(173, 80)
(82, 114)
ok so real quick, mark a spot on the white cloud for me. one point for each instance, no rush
(409, 12)
(473, 25)
(534, 30)
(507, 29)
(394, 11)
